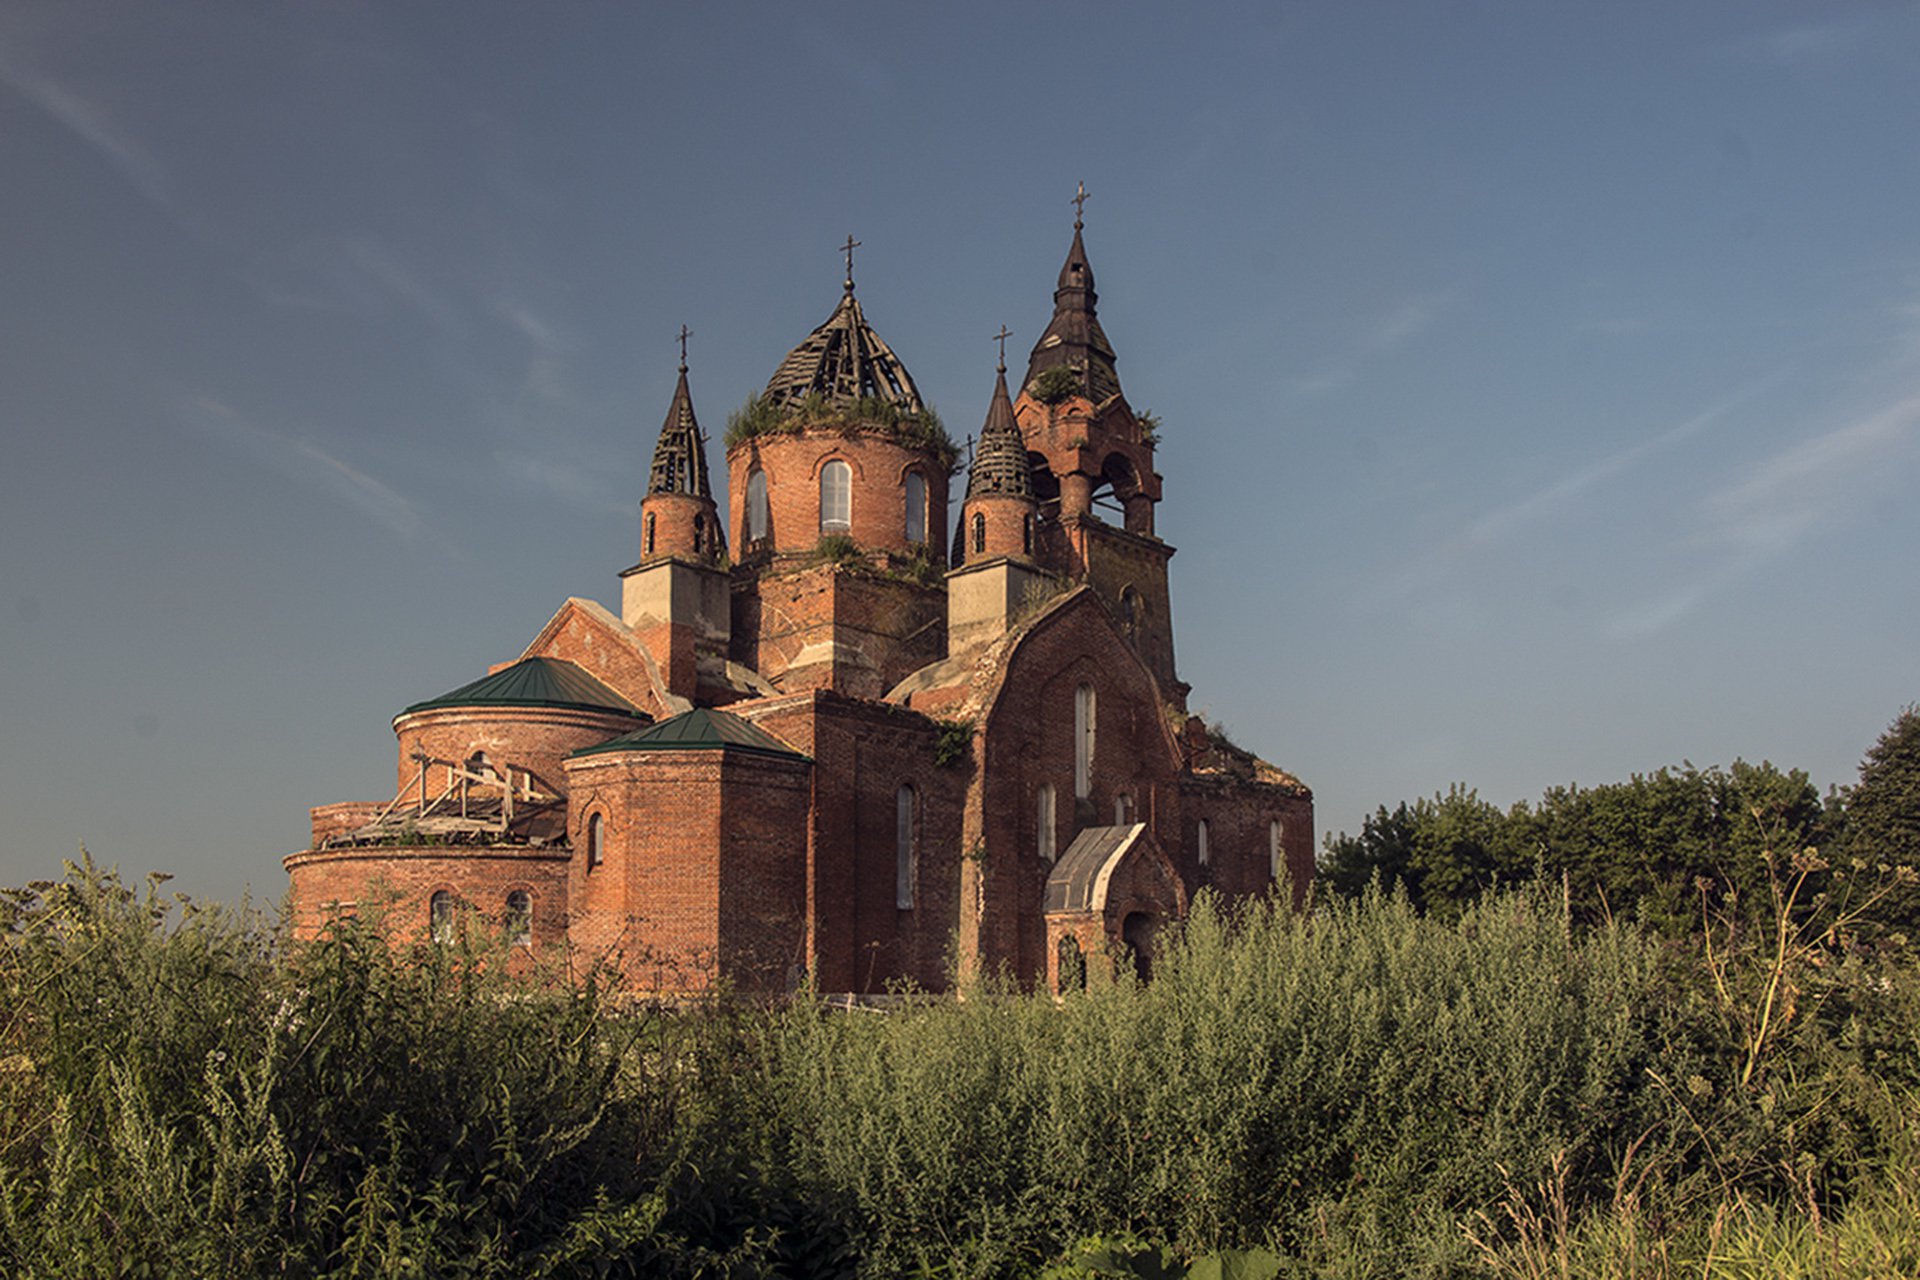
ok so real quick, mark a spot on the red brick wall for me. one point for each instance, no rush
(528, 738)
(331, 820)
(607, 651)
(1238, 814)
(886, 627)
(763, 870)
(863, 753)
(792, 463)
(396, 883)
(1029, 741)
(681, 525)
(1005, 527)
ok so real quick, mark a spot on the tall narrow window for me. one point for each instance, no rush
(699, 534)
(1123, 810)
(440, 915)
(519, 919)
(1276, 851)
(1044, 822)
(756, 505)
(648, 550)
(1026, 536)
(905, 870)
(1203, 841)
(836, 497)
(979, 532)
(916, 507)
(596, 841)
(1083, 726)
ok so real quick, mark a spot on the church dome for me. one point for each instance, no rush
(843, 362)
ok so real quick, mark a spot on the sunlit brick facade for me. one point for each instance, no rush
(838, 735)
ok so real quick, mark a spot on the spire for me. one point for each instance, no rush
(1000, 463)
(844, 361)
(680, 458)
(1074, 339)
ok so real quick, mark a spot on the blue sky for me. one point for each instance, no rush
(1541, 382)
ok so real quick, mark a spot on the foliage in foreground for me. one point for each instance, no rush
(1362, 1091)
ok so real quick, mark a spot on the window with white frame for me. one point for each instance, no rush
(756, 505)
(916, 507)
(836, 497)
(440, 916)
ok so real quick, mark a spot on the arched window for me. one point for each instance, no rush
(1083, 727)
(596, 841)
(1123, 810)
(1276, 851)
(1043, 821)
(836, 497)
(440, 915)
(648, 549)
(756, 505)
(905, 858)
(1026, 536)
(1203, 841)
(979, 532)
(916, 507)
(699, 534)
(1072, 965)
(519, 918)
(1130, 610)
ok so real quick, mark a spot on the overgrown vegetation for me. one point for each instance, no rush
(1359, 1091)
(1057, 385)
(954, 747)
(1712, 1068)
(916, 430)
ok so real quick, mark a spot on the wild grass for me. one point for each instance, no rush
(1354, 1091)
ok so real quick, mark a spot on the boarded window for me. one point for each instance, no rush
(519, 920)
(1083, 727)
(1044, 822)
(836, 497)
(905, 870)
(440, 915)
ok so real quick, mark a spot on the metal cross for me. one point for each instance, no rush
(1079, 205)
(1001, 338)
(685, 333)
(848, 248)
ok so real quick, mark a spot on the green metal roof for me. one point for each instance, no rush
(701, 729)
(535, 682)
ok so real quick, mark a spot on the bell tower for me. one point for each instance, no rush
(1092, 467)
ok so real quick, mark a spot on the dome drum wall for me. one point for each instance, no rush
(993, 524)
(402, 879)
(679, 525)
(531, 739)
(793, 466)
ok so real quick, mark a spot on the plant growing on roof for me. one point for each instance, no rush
(1056, 385)
(917, 429)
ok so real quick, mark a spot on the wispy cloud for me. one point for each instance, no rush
(306, 462)
(92, 122)
(1402, 322)
(1504, 521)
(1778, 500)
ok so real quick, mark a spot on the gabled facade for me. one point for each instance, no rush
(867, 746)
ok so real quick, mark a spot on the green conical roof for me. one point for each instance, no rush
(535, 682)
(701, 729)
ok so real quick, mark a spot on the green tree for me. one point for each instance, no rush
(1883, 811)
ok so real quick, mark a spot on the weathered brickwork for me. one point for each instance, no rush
(826, 781)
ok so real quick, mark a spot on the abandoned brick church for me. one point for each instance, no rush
(851, 748)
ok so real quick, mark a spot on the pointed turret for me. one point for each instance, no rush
(677, 517)
(680, 457)
(1074, 339)
(998, 516)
